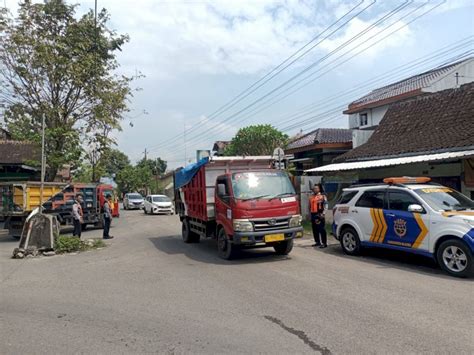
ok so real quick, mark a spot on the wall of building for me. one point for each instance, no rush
(466, 75)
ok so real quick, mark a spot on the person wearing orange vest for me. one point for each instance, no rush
(318, 205)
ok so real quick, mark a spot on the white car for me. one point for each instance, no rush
(155, 204)
(408, 214)
(132, 201)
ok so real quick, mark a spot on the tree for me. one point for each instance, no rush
(115, 161)
(256, 140)
(62, 68)
(156, 166)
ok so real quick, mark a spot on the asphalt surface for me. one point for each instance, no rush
(148, 292)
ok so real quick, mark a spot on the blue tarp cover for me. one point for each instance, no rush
(185, 175)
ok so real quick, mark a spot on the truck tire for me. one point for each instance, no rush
(188, 236)
(284, 248)
(455, 258)
(83, 227)
(225, 249)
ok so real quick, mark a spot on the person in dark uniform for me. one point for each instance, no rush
(107, 217)
(318, 205)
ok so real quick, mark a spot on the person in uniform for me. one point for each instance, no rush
(318, 205)
(107, 216)
(77, 216)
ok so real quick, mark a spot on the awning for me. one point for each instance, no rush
(393, 161)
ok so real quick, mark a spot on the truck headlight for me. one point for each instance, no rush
(296, 220)
(243, 225)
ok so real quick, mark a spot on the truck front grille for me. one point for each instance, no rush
(270, 224)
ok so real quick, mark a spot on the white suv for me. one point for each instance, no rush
(408, 214)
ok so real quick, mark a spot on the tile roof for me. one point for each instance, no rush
(322, 136)
(442, 121)
(220, 145)
(404, 88)
(16, 152)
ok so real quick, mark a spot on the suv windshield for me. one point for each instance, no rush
(161, 199)
(255, 185)
(445, 199)
(135, 197)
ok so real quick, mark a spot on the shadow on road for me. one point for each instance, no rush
(393, 259)
(206, 251)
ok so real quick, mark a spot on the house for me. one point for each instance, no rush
(219, 148)
(366, 113)
(427, 135)
(19, 160)
(318, 147)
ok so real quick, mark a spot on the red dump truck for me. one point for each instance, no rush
(240, 201)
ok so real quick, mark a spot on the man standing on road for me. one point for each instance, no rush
(77, 216)
(107, 217)
(318, 205)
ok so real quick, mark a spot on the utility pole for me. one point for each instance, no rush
(184, 137)
(43, 163)
(145, 152)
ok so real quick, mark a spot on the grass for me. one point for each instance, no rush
(65, 244)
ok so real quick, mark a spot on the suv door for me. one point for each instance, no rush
(405, 229)
(367, 214)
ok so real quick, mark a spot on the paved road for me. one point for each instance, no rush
(148, 292)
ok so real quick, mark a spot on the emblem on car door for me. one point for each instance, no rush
(400, 227)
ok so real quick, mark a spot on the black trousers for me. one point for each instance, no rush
(107, 222)
(319, 228)
(77, 228)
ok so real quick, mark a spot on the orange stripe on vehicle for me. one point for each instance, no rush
(374, 230)
(379, 225)
(384, 227)
(423, 233)
(457, 213)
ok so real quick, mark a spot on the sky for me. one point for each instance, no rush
(197, 56)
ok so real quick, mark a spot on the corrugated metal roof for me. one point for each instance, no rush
(405, 86)
(394, 161)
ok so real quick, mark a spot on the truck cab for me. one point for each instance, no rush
(246, 206)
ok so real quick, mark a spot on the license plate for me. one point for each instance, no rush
(274, 238)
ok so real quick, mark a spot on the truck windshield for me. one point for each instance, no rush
(256, 185)
(445, 199)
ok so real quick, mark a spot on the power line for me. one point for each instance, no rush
(277, 68)
(345, 44)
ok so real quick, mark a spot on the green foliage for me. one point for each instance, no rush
(61, 67)
(256, 140)
(142, 177)
(65, 244)
(115, 161)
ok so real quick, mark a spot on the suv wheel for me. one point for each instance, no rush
(455, 258)
(350, 241)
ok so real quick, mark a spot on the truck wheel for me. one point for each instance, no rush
(225, 249)
(284, 248)
(350, 241)
(188, 236)
(455, 258)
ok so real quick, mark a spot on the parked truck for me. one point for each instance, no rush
(243, 202)
(19, 199)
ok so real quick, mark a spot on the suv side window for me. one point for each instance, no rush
(372, 199)
(400, 200)
(346, 197)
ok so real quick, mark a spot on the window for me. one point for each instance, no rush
(222, 189)
(346, 197)
(372, 199)
(363, 119)
(399, 200)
